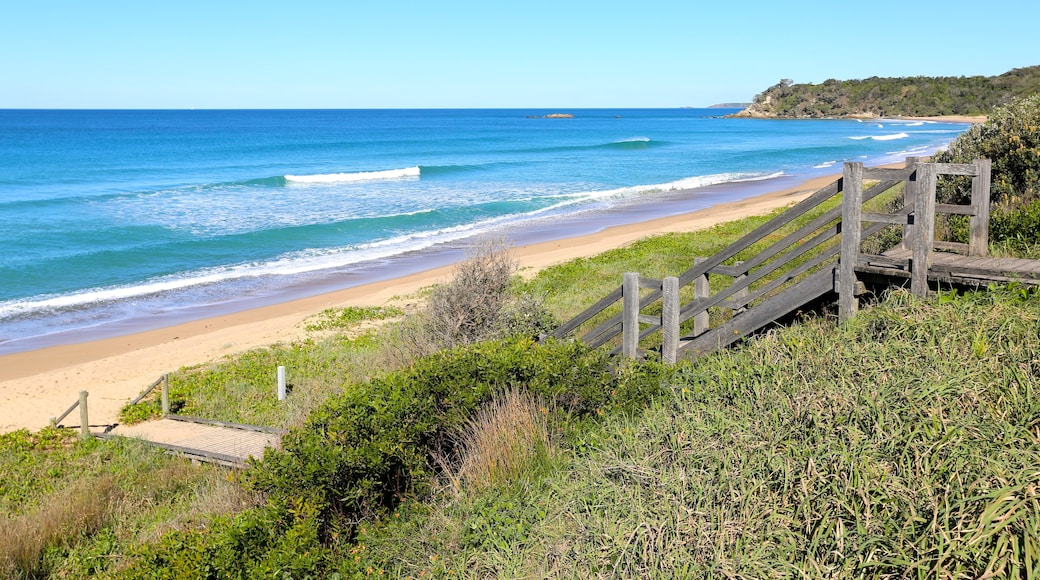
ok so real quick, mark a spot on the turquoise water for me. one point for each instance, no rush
(117, 221)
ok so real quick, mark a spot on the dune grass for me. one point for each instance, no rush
(68, 508)
(903, 444)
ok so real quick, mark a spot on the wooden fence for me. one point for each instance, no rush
(816, 258)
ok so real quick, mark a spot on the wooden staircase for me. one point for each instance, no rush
(821, 259)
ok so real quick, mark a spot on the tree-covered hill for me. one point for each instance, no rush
(885, 97)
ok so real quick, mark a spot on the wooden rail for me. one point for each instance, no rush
(818, 257)
(221, 442)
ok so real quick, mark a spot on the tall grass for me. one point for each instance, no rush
(904, 444)
(506, 439)
(76, 512)
(69, 508)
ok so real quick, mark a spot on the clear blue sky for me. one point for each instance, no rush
(486, 53)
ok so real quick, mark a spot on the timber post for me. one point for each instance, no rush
(851, 212)
(670, 319)
(924, 229)
(165, 394)
(630, 315)
(909, 199)
(701, 289)
(84, 419)
(978, 243)
(743, 292)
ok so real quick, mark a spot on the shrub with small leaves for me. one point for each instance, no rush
(1010, 138)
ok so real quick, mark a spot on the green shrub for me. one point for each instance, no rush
(368, 447)
(1010, 138)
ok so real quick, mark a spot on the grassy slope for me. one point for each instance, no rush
(904, 443)
(870, 447)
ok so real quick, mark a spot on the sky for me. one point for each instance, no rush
(230, 54)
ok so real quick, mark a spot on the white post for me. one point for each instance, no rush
(281, 383)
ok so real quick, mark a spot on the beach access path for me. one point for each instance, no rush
(39, 384)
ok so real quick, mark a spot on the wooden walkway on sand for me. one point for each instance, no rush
(230, 444)
(227, 444)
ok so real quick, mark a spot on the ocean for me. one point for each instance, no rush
(120, 221)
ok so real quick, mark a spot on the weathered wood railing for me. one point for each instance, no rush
(84, 415)
(818, 257)
(917, 218)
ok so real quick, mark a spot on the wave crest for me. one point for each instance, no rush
(407, 172)
(891, 137)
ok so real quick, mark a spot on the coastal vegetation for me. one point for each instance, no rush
(448, 443)
(889, 97)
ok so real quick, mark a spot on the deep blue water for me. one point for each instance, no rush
(114, 221)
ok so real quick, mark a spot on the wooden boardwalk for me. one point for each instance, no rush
(197, 439)
(954, 269)
(820, 261)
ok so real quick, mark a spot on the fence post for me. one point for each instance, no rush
(165, 398)
(978, 243)
(630, 315)
(910, 200)
(281, 383)
(851, 212)
(670, 319)
(701, 289)
(84, 419)
(743, 292)
(924, 226)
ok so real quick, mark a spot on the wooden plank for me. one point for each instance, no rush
(887, 173)
(967, 169)
(801, 269)
(649, 319)
(811, 227)
(225, 424)
(949, 247)
(882, 261)
(796, 211)
(753, 319)
(954, 209)
(650, 283)
(588, 313)
(886, 218)
(732, 271)
(601, 334)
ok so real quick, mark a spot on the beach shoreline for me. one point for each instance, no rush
(38, 384)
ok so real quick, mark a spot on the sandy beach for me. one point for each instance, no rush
(40, 384)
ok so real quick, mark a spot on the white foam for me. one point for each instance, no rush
(890, 137)
(880, 137)
(824, 165)
(693, 182)
(408, 172)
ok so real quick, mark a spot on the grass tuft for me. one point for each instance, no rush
(501, 442)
